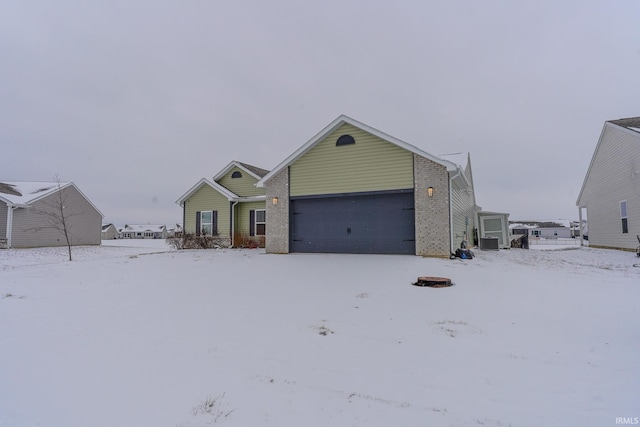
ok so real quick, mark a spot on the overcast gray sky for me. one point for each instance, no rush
(135, 101)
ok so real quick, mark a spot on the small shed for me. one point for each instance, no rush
(491, 226)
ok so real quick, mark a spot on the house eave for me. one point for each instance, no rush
(204, 181)
(231, 165)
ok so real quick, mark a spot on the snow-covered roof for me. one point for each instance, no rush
(536, 223)
(519, 226)
(144, 227)
(460, 159)
(22, 193)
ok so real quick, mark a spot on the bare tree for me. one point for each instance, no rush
(57, 215)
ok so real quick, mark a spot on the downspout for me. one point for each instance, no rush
(233, 235)
(580, 226)
(9, 230)
(452, 251)
(184, 217)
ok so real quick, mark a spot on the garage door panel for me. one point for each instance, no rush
(380, 223)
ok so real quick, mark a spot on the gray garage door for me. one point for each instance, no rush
(380, 223)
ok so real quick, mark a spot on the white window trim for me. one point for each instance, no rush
(256, 222)
(626, 216)
(202, 223)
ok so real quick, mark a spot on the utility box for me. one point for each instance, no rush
(489, 243)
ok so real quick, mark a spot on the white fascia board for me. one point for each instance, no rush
(231, 165)
(485, 213)
(204, 181)
(461, 177)
(348, 120)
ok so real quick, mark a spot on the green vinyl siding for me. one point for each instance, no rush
(242, 215)
(245, 186)
(463, 212)
(208, 199)
(371, 164)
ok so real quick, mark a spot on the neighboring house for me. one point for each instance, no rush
(29, 215)
(547, 229)
(143, 232)
(229, 206)
(354, 189)
(174, 232)
(109, 232)
(611, 189)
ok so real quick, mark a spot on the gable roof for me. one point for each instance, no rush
(254, 171)
(348, 120)
(22, 194)
(630, 125)
(230, 195)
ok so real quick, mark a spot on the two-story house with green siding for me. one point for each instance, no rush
(229, 206)
(354, 189)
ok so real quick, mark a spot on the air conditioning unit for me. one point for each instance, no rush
(489, 243)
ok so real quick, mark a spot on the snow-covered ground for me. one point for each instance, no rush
(149, 336)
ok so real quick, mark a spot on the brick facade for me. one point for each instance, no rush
(431, 213)
(277, 239)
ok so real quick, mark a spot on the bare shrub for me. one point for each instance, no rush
(243, 240)
(193, 241)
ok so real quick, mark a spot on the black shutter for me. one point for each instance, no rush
(198, 223)
(214, 226)
(252, 222)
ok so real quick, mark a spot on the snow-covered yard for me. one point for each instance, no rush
(147, 336)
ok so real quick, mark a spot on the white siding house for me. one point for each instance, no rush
(610, 192)
(109, 232)
(29, 215)
(143, 232)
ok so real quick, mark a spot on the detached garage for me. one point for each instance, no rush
(354, 189)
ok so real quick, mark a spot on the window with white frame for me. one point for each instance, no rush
(261, 222)
(206, 223)
(623, 216)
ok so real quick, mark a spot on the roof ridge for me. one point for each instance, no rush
(255, 169)
(627, 122)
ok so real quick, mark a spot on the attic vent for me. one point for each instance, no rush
(345, 140)
(236, 174)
